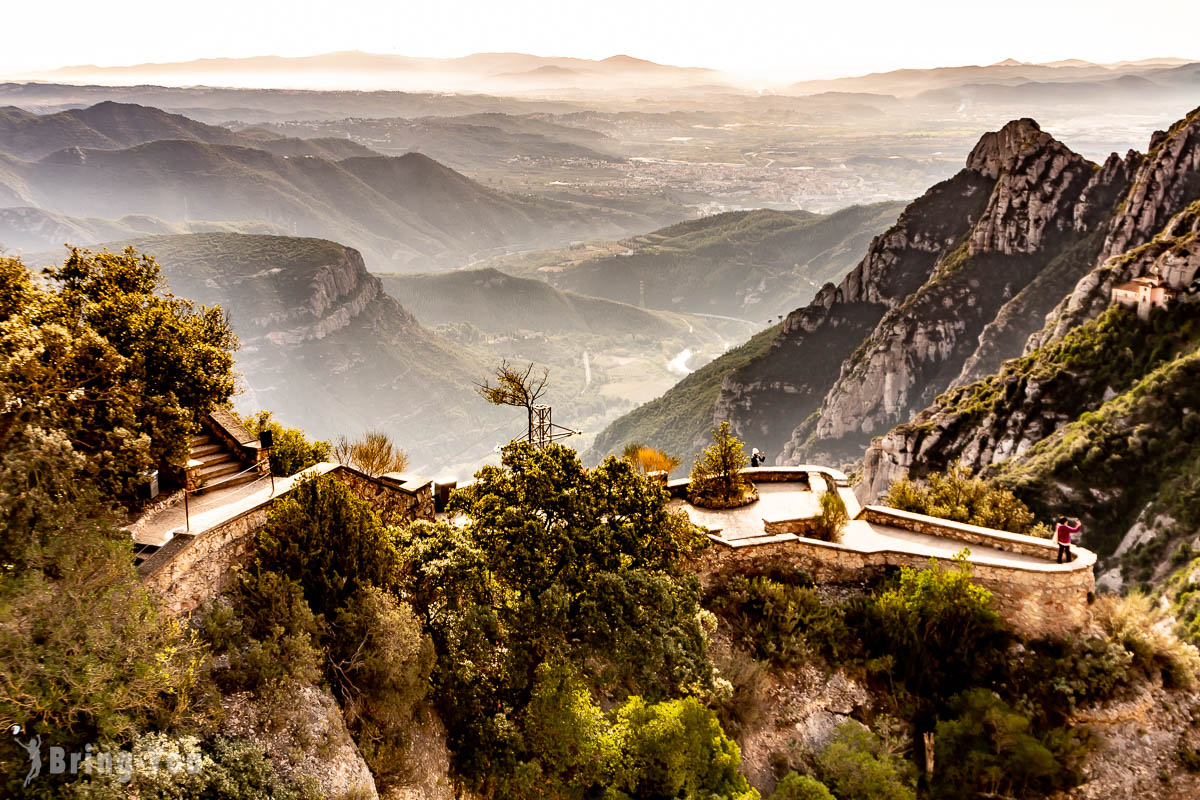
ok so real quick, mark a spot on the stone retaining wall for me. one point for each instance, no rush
(189, 570)
(1035, 600)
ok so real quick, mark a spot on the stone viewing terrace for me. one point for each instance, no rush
(1034, 593)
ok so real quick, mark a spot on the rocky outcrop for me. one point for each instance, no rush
(920, 346)
(766, 399)
(1164, 184)
(339, 292)
(305, 737)
(1038, 184)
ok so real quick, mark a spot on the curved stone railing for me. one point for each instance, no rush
(1043, 598)
(836, 478)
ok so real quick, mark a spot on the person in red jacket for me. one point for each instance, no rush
(1062, 533)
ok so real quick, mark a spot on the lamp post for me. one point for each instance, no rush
(266, 439)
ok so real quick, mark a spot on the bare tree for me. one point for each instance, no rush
(374, 453)
(515, 386)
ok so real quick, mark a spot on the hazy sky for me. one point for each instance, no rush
(774, 38)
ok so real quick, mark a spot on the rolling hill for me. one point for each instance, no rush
(746, 264)
(116, 126)
(405, 213)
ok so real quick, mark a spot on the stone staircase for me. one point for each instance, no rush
(220, 467)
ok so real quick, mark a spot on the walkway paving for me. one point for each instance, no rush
(207, 510)
(870, 537)
(789, 501)
(776, 501)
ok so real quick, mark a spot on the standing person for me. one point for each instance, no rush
(1062, 533)
(757, 459)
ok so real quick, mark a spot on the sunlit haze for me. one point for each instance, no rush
(763, 38)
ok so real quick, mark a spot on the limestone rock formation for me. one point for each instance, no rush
(305, 737)
(1164, 184)
(920, 346)
(767, 398)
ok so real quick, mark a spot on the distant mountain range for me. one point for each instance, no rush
(115, 126)
(747, 264)
(478, 72)
(911, 82)
(406, 212)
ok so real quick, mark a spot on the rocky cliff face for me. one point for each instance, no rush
(920, 345)
(1164, 184)
(767, 398)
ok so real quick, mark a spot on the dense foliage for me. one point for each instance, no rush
(102, 376)
(554, 564)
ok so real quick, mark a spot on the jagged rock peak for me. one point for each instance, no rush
(996, 152)
(1166, 181)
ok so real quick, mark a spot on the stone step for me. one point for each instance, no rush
(215, 457)
(216, 470)
(201, 438)
(206, 449)
(225, 483)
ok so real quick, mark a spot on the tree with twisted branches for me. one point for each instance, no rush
(515, 386)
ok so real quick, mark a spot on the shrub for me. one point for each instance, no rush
(935, 626)
(648, 459)
(833, 518)
(779, 623)
(330, 542)
(988, 749)
(373, 453)
(741, 701)
(265, 627)
(795, 786)
(1054, 677)
(1142, 628)
(858, 764)
(956, 495)
(230, 769)
(86, 652)
(716, 480)
(379, 665)
(291, 450)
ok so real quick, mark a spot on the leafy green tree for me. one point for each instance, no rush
(291, 450)
(676, 749)
(591, 562)
(859, 764)
(572, 741)
(553, 563)
(86, 653)
(957, 495)
(100, 356)
(795, 786)
(379, 661)
(716, 478)
(325, 538)
(179, 356)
